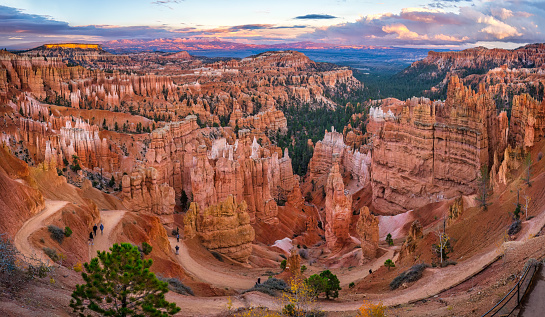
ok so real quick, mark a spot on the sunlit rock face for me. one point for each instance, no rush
(338, 210)
(429, 151)
(223, 228)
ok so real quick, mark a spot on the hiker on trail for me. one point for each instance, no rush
(91, 238)
(178, 237)
(95, 228)
(101, 228)
(177, 248)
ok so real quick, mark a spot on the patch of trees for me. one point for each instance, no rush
(306, 123)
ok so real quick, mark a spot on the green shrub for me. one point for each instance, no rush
(67, 231)
(283, 264)
(146, 248)
(351, 285)
(57, 233)
(326, 282)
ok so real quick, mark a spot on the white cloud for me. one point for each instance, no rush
(498, 29)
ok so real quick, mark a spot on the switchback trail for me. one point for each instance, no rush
(21, 241)
(103, 242)
(208, 274)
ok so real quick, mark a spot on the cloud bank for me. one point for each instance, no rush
(315, 17)
(489, 21)
(466, 23)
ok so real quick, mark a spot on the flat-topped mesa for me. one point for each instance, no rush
(223, 228)
(80, 53)
(480, 57)
(338, 209)
(74, 46)
(429, 151)
(351, 161)
(287, 59)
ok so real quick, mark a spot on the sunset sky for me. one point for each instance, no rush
(414, 23)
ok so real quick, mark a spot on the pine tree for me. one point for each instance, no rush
(119, 283)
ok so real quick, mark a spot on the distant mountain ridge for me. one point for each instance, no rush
(200, 44)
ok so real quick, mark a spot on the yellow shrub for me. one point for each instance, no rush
(372, 310)
(258, 312)
(78, 267)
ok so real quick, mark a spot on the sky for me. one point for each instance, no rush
(409, 23)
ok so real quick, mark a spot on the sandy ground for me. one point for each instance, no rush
(207, 274)
(103, 241)
(21, 238)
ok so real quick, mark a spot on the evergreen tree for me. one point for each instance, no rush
(119, 283)
(389, 264)
(326, 282)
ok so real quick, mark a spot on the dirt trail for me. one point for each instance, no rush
(346, 277)
(436, 282)
(31, 225)
(206, 273)
(103, 241)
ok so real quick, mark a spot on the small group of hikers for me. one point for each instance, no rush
(177, 239)
(95, 229)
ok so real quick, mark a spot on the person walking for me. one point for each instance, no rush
(177, 248)
(91, 238)
(178, 237)
(95, 228)
(101, 228)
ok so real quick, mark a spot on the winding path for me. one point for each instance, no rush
(207, 275)
(103, 242)
(21, 241)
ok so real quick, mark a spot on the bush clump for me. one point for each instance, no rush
(52, 253)
(146, 248)
(325, 282)
(67, 231)
(411, 275)
(57, 233)
(269, 287)
(514, 228)
(177, 286)
(15, 269)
